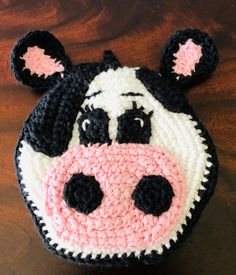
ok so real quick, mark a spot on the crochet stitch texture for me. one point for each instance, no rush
(113, 164)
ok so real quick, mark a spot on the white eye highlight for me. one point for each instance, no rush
(140, 120)
(85, 124)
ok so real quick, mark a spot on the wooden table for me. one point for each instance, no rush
(135, 31)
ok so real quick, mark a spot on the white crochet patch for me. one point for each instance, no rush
(174, 132)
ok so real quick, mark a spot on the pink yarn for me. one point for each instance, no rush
(116, 224)
(41, 64)
(187, 57)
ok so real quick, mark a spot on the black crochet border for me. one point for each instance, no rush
(153, 257)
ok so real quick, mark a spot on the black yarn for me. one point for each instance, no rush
(170, 96)
(131, 259)
(153, 195)
(130, 129)
(46, 133)
(97, 127)
(49, 127)
(131, 94)
(110, 58)
(83, 193)
(94, 94)
(203, 69)
(52, 47)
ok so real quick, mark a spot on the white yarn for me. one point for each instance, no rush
(174, 132)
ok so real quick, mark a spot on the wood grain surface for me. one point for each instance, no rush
(135, 31)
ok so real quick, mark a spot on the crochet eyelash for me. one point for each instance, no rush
(141, 108)
(86, 108)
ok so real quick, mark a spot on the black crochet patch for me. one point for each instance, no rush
(49, 127)
(93, 127)
(153, 195)
(134, 126)
(82, 193)
(172, 98)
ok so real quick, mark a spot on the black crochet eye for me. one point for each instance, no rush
(93, 127)
(134, 126)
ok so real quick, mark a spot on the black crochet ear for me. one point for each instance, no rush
(188, 57)
(38, 60)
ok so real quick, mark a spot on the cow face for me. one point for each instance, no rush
(113, 164)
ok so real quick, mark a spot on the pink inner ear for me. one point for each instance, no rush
(41, 64)
(187, 57)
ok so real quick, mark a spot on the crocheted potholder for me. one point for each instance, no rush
(113, 164)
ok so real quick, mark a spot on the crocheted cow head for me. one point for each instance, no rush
(113, 164)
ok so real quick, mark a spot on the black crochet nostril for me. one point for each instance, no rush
(153, 195)
(83, 193)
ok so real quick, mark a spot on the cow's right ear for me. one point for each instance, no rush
(38, 60)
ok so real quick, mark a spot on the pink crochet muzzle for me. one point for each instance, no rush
(116, 224)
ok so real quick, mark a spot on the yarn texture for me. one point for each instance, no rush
(113, 163)
(153, 195)
(82, 193)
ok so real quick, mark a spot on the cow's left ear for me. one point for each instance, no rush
(38, 60)
(188, 56)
